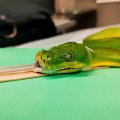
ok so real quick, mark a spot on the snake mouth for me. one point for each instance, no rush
(37, 67)
(67, 70)
(63, 69)
(72, 68)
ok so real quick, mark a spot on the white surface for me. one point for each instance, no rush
(107, 1)
(76, 36)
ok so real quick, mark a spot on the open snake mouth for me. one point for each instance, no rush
(37, 65)
(37, 68)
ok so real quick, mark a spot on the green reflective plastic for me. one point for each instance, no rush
(90, 95)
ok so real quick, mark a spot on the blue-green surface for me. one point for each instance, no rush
(91, 95)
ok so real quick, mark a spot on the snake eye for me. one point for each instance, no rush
(47, 56)
(68, 57)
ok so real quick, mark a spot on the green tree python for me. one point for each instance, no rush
(99, 50)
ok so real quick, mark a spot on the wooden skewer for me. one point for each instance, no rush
(19, 76)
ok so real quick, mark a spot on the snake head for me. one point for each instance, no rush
(65, 58)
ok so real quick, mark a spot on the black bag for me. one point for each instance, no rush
(25, 20)
(14, 34)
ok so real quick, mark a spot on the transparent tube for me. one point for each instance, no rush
(16, 69)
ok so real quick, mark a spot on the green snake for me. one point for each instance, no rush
(99, 50)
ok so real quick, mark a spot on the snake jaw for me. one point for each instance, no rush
(71, 67)
(66, 70)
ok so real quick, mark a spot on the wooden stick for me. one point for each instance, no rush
(19, 76)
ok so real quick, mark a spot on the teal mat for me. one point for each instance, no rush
(93, 95)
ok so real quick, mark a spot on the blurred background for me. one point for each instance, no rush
(23, 21)
(78, 14)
